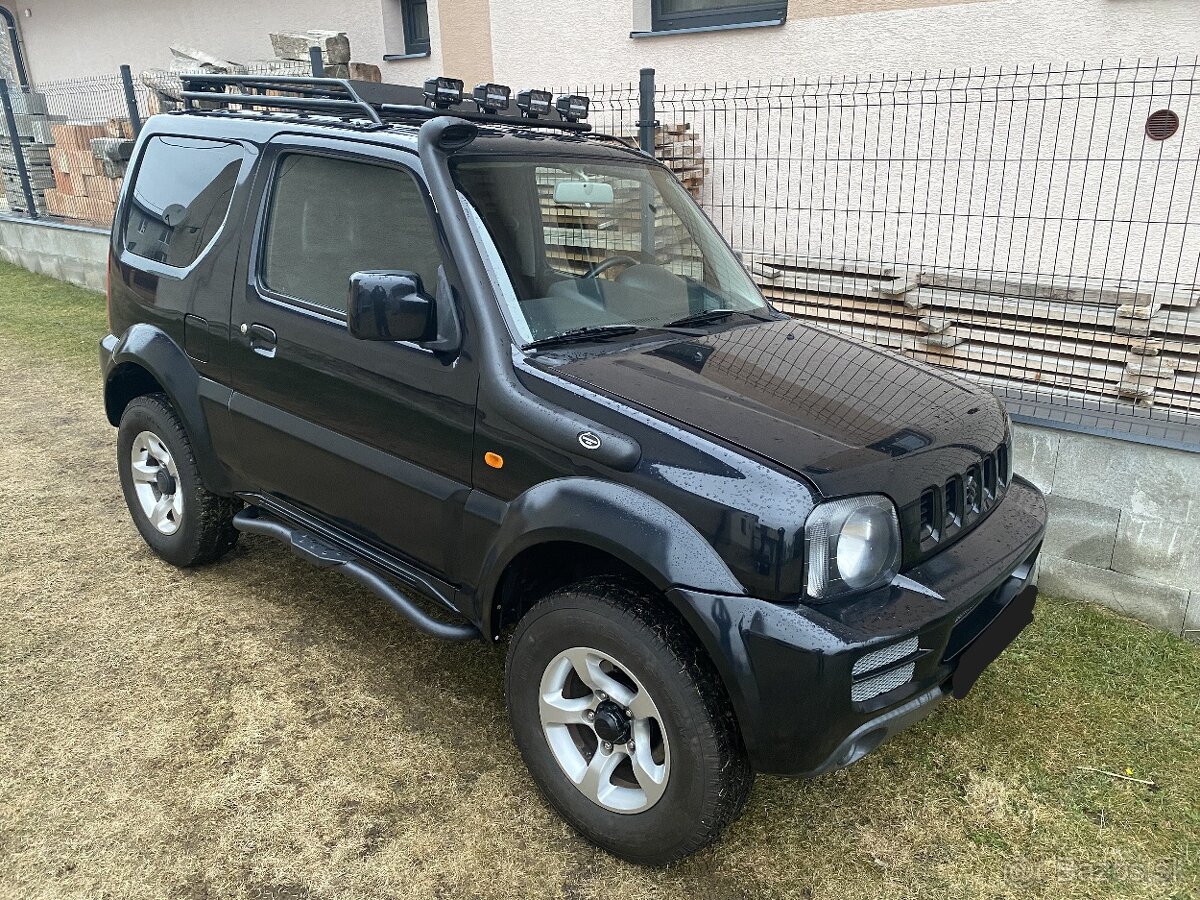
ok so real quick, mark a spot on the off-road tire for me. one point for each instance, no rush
(709, 778)
(206, 531)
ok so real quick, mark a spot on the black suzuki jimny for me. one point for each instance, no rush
(502, 370)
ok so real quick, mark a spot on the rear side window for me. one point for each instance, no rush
(180, 198)
(330, 218)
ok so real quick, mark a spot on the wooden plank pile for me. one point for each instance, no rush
(1105, 339)
(291, 58)
(578, 237)
(677, 147)
(88, 163)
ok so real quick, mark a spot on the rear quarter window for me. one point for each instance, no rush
(180, 198)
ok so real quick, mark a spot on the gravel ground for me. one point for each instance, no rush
(257, 729)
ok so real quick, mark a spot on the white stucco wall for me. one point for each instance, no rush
(589, 42)
(1041, 173)
(79, 38)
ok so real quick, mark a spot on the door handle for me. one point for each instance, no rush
(262, 339)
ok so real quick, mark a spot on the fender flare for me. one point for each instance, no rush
(153, 350)
(634, 527)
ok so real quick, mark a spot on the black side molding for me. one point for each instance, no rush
(311, 549)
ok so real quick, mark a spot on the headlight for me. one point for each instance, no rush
(853, 545)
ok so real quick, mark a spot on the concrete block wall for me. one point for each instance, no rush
(1124, 524)
(66, 252)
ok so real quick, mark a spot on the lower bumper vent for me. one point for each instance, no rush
(881, 684)
(867, 685)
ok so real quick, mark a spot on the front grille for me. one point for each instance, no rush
(952, 506)
(963, 499)
(928, 515)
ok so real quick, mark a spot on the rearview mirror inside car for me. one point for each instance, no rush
(595, 193)
(390, 306)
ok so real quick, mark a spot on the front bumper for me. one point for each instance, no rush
(789, 670)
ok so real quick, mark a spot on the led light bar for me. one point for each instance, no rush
(491, 98)
(572, 107)
(442, 92)
(534, 103)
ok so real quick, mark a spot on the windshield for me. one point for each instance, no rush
(589, 244)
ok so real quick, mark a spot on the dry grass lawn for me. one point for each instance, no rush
(259, 729)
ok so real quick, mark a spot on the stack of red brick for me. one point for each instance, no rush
(88, 161)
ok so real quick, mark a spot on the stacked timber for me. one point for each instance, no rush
(677, 147)
(578, 236)
(1108, 340)
(88, 162)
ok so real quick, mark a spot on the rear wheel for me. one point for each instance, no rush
(623, 722)
(181, 520)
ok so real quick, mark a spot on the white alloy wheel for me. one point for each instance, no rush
(604, 730)
(156, 482)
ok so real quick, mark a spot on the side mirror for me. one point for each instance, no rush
(390, 306)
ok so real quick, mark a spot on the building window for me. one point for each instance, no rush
(415, 15)
(671, 15)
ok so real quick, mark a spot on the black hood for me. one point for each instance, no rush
(850, 417)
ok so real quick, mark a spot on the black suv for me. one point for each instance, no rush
(504, 372)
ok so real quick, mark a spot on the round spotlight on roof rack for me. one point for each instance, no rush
(442, 92)
(572, 107)
(491, 98)
(534, 103)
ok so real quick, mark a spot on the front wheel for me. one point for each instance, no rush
(623, 722)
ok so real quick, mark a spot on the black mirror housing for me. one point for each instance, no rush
(390, 306)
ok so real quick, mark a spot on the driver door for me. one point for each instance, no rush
(374, 436)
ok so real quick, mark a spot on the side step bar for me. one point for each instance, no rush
(253, 521)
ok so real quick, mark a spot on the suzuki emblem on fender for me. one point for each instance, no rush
(589, 441)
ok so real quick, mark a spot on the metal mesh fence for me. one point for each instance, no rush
(74, 136)
(1034, 227)
(84, 99)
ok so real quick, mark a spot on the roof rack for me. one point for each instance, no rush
(381, 104)
(315, 95)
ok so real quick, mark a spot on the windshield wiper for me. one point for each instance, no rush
(712, 315)
(587, 333)
(700, 318)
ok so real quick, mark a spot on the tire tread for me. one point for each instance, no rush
(730, 777)
(215, 534)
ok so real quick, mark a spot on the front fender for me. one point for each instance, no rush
(635, 528)
(151, 350)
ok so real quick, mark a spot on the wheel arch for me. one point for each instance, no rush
(581, 526)
(126, 382)
(145, 360)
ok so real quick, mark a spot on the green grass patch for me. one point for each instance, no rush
(50, 317)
